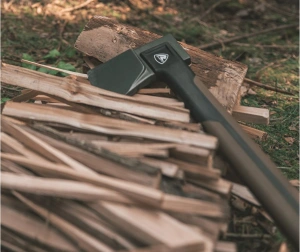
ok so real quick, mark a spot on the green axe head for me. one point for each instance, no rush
(128, 72)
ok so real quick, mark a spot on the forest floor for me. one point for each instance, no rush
(45, 32)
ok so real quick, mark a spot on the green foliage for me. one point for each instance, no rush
(4, 99)
(28, 57)
(53, 54)
(65, 66)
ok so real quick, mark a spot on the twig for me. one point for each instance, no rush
(267, 87)
(248, 236)
(280, 10)
(77, 7)
(211, 8)
(267, 46)
(55, 68)
(248, 35)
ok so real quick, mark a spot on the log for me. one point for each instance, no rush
(109, 38)
(251, 114)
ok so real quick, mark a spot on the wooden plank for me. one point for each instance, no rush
(160, 100)
(225, 246)
(104, 125)
(95, 225)
(191, 154)
(223, 78)
(44, 148)
(220, 186)
(195, 172)
(244, 193)
(61, 188)
(35, 229)
(178, 204)
(149, 226)
(251, 114)
(254, 133)
(25, 96)
(77, 92)
(167, 168)
(100, 164)
(142, 193)
(83, 240)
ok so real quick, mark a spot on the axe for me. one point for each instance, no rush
(165, 60)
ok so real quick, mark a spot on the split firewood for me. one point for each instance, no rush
(106, 125)
(251, 114)
(75, 91)
(84, 240)
(33, 228)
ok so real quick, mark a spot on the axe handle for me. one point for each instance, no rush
(258, 172)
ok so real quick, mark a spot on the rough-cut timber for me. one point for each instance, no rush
(104, 38)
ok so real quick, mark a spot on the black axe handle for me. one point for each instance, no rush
(259, 173)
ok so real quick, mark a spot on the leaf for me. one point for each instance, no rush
(4, 99)
(290, 140)
(26, 56)
(66, 66)
(47, 71)
(70, 52)
(293, 128)
(53, 54)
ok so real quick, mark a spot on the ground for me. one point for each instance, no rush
(45, 31)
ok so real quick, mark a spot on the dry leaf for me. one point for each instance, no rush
(293, 128)
(290, 140)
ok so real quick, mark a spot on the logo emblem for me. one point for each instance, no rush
(161, 58)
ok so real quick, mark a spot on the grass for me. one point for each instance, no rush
(30, 30)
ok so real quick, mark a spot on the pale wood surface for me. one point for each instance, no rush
(79, 92)
(109, 38)
(106, 125)
(251, 114)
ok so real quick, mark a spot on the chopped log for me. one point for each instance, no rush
(25, 96)
(200, 193)
(150, 227)
(94, 225)
(160, 100)
(191, 154)
(251, 114)
(106, 125)
(167, 168)
(61, 188)
(44, 148)
(78, 92)
(223, 78)
(33, 228)
(141, 193)
(221, 186)
(195, 172)
(83, 240)
(254, 133)
(225, 246)
(244, 193)
(138, 174)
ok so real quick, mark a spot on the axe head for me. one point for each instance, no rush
(128, 72)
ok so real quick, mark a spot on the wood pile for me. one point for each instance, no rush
(84, 169)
